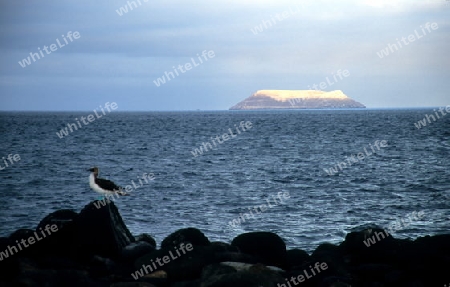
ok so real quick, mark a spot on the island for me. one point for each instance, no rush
(297, 99)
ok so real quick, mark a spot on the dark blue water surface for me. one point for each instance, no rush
(283, 151)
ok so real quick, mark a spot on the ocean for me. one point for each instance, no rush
(271, 172)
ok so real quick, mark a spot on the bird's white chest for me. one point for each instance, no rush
(94, 186)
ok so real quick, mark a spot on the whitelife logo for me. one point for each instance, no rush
(324, 85)
(244, 126)
(128, 189)
(35, 56)
(356, 158)
(262, 208)
(11, 250)
(10, 157)
(64, 132)
(427, 117)
(206, 55)
(406, 41)
(124, 9)
(319, 268)
(393, 227)
(166, 259)
(272, 22)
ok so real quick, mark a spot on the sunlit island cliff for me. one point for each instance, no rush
(297, 99)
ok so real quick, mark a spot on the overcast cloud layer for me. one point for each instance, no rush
(118, 58)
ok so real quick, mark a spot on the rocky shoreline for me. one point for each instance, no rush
(95, 248)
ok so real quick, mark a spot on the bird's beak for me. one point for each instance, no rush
(89, 169)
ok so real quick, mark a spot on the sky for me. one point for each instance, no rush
(116, 50)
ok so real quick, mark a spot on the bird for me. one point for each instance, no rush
(103, 186)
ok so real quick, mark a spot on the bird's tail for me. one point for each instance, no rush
(121, 192)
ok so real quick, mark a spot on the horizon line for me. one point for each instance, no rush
(225, 110)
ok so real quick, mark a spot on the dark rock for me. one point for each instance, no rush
(4, 242)
(309, 278)
(159, 282)
(395, 277)
(15, 239)
(195, 283)
(10, 268)
(268, 247)
(53, 278)
(324, 250)
(95, 248)
(57, 262)
(60, 217)
(223, 247)
(226, 252)
(239, 266)
(332, 255)
(132, 284)
(181, 267)
(372, 272)
(236, 257)
(433, 246)
(187, 235)
(426, 257)
(21, 234)
(32, 274)
(61, 242)
(356, 249)
(296, 257)
(215, 270)
(146, 238)
(257, 276)
(135, 250)
(95, 231)
(336, 282)
(101, 231)
(101, 267)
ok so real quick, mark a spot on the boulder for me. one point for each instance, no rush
(296, 257)
(370, 245)
(258, 275)
(180, 265)
(61, 218)
(267, 247)
(239, 266)
(146, 238)
(135, 250)
(101, 231)
(63, 241)
(94, 231)
(186, 235)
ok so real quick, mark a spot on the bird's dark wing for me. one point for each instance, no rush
(107, 184)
